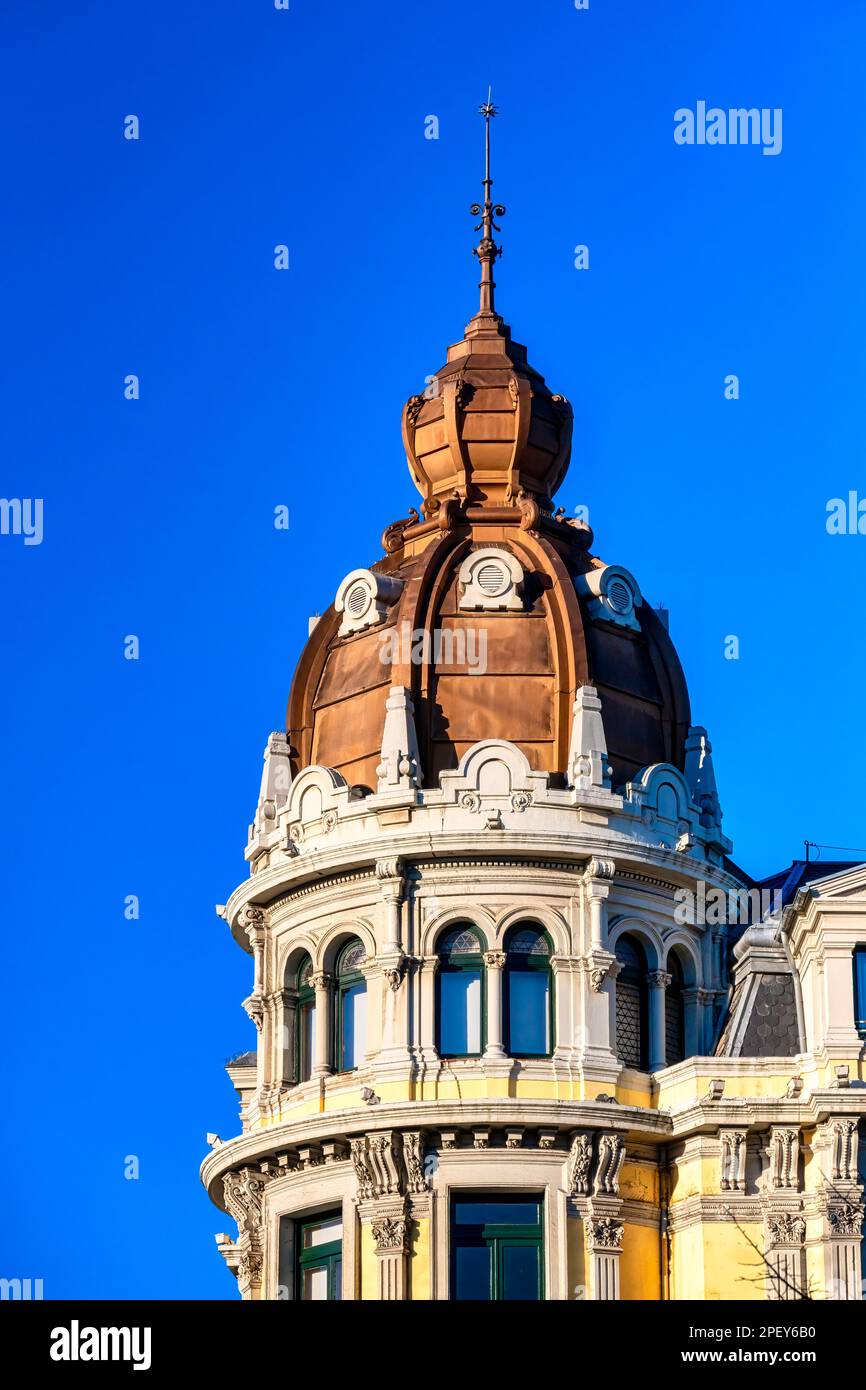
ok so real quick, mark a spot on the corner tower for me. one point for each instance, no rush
(478, 1009)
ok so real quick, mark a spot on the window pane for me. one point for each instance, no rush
(308, 1034)
(460, 1012)
(338, 1279)
(472, 1272)
(354, 1026)
(529, 1013)
(314, 1284)
(323, 1233)
(860, 991)
(520, 1269)
(500, 1212)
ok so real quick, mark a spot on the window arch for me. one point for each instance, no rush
(675, 1013)
(528, 993)
(632, 1022)
(460, 993)
(350, 1013)
(305, 1019)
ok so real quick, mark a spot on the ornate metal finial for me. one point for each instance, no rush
(487, 250)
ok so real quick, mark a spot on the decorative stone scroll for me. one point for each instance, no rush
(244, 1196)
(784, 1152)
(611, 1153)
(579, 1164)
(733, 1160)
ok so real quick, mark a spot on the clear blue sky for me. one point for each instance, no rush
(261, 388)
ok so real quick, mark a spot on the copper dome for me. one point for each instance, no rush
(487, 446)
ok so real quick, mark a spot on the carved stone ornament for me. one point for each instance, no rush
(579, 1164)
(389, 1233)
(495, 960)
(605, 1234)
(845, 1150)
(329, 821)
(413, 1162)
(846, 1219)
(786, 1229)
(394, 975)
(252, 920)
(611, 1154)
(244, 1192)
(250, 1267)
(470, 801)
(733, 1160)
(597, 979)
(520, 801)
(254, 1008)
(784, 1149)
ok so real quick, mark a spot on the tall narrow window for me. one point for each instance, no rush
(496, 1247)
(306, 1020)
(319, 1246)
(528, 997)
(631, 1005)
(675, 1013)
(860, 990)
(351, 1010)
(460, 990)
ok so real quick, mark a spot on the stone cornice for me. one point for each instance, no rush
(248, 1150)
(330, 867)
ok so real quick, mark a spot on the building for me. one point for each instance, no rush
(524, 1028)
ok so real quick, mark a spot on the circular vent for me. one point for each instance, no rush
(619, 596)
(357, 599)
(492, 578)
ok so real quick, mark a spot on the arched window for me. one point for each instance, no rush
(351, 1007)
(305, 1027)
(528, 997)
(631, 1005)
(460, 994)
(675, 1014)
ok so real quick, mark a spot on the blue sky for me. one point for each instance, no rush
(262, 388)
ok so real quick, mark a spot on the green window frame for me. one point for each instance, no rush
(501, 1240)
(323, 1259)
(305, 1008)
(528, 949)
(351, 982)
(461, 953)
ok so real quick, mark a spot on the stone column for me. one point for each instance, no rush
(391, 880)
(597, 880)
(658, 981)
(322, 1061)
(495, 964)
(391, 1238)
(786, 1273)
(427, 1003)
(693, 1021)
(603, 1251)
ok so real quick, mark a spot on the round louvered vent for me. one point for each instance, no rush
(619, 596)
(357, 599)
(492, 578)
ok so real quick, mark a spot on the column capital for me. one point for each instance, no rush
(658, 979)
(495, 960)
